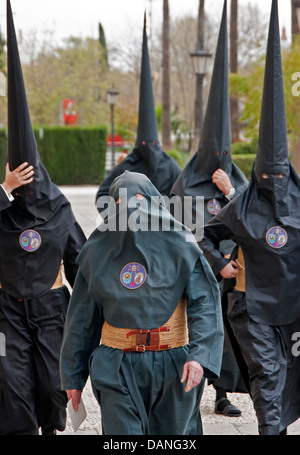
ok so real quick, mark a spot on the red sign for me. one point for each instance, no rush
(70, 112)
(118, 140)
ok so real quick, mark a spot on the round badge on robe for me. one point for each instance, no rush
(30, 240)
(213, 206)
(133, 275)
(276, 237)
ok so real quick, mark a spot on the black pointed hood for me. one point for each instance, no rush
(147, 124)
(147, 142)
(272, 153)
(214, 150)
(147, 157)
(265, 219)
(38, 201)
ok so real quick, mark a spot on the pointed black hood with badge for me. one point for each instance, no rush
(214, 150)
(35, 229)
(272, 153)
(265, 219)
(36, 202)
(147, 157)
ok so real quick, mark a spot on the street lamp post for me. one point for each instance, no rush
(112, 98)
(200, 60)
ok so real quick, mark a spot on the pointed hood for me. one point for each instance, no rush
(39, 200)
(150, 249)
(147, 142)
(214, 150)
(272, 153)
(147, 157)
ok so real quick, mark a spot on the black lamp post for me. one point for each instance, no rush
(200, 60)
(112, 98)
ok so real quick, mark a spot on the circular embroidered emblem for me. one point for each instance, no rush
(133, 275)
(213, 206)
(30, 240)
(276, 237)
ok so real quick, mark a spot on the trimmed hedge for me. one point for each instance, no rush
(243, 161)
(72, 155)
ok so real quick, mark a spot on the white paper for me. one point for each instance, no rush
(77, 417)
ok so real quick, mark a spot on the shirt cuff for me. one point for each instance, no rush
(9, 196)
(230, 195)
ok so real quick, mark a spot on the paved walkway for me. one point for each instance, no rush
(83, 203)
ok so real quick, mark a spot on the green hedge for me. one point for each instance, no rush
(244, 148)
(72, 155)
(243, 161)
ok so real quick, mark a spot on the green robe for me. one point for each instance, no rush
(134, 279)
(127, 384)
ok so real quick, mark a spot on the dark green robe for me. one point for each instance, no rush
(141, 393)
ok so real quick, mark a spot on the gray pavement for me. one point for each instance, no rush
(82, 199)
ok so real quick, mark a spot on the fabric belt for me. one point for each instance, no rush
(240, 284)
(171, 335)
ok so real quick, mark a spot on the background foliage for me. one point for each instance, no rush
(71, 155)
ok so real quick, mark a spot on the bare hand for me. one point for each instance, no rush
(221, 179)
(75, 396)
(192, 373)
(20, 176)
(230, 270)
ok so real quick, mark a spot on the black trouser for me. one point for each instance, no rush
(30, 395)
(273, 371)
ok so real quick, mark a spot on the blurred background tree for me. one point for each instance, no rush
(83, 69)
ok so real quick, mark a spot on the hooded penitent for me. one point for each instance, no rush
(214, 150)
(265, 219)
(143, 249)
(147, 156)
(37, 202)
(35, 228)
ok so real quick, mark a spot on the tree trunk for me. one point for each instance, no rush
(166, 109)
(198, 116)
(234, 102)
(295, 24)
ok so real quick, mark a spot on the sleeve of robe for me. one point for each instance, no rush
(75, 242)
(82, 334)
(4, 200)
(214, 233)
(205, 324)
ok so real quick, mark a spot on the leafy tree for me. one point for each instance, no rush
(249, 88)
(102, 42)
(72, 71)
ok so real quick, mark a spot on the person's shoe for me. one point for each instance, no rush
(224, 407)
(48, 432)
